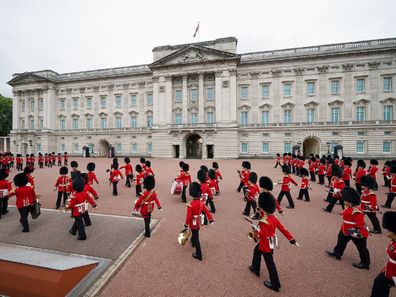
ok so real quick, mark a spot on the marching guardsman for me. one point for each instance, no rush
(244, 176)
(59, 158)
(265, 234)
(312, 168)
(360, 171)
(352, 228)
(321, 171)
(386, 173)
(46, 160)
(266, 185)
(53, 158)
(143, 165)
(387, 277)
(392, 188)
(206, 193)
(128, 172)
(304, 185)
(149, 170)
(139, 179)
(32, 160)
(212, 187)
(5, 189)
(301, 165)
(337, 186)
(145, 203)
(40, 160)
(19, 162)
(336, 160)
(215, 166)
(277, 160)
(91, 173)
(65, 159)
(284, 159)
(25, 198)
(347, 172)
(194, 217)
(372, 171)
(330, 163)
(285, 189)
(184, 178)
(369, 204)
(62, 185)
(91, 194)
(251, 193)
(115, 177)
(28, 171)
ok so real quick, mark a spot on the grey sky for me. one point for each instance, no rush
(76, 35)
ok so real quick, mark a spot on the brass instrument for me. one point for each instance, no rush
(184, 235)
(252, 234)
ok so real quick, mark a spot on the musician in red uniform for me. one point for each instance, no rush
(369, 202)
(392, 188)
(337, 186)
(145, 203)
(312, 168)
(59, 158)
(194, 217)
(19, 162)
(266, 185)
(65, 159)
(385, 173)
(149, 170)
(115, 177)
(91, 173)
(372, 171)
(46, 159)
(387, 277)
(206, 193)
(91, 194)
(330, 163)
(143, 165)
(28, 171)
(62, 184)
(25, 198)
(285, 189)
(5, 188)
(244, 175)
(40, 160)
(212, 188)
(185, 178)
(321, 171)
(304, 185)
(278, 160)
(128, 172)
(360, 171)
(352, 228)
(347, 173)
(219, 177)
(265, 231)
(251, 193)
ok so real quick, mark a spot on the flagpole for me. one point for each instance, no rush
(199, 32)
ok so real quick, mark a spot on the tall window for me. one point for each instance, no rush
(310, 115)
(149, 147)
(149, 99)
(134, 148)
(103, 102)
(89, 123)
(41, 104)
(244, 118)
(32, 123)
(244, 147)
(265, 91)
(244, 92)
(32, 105)
(75, 123)
(62, 105)
(75, 103)
(149, 121)
(194, 118)
(360, 146)
(133, 122)
(178, 96)
(194, 94)
(90, 145)
(118, 122)
(76, 148)
(39, 147)
(118, 147)
(62, 124)
(387, 83)
(265, 147)
(209, 117)
(133, 99)
(388, 113)
(118, 100)
(360, 85)
(335, 87)
(287, 90)
(103, 123)
(209, 94)
(178, 118)
(62, 147)
(287, 116)
(89, 102)
(310, 88)
(386, 146)
(360, 113)
(335, 114)
(23, 106)
(287, 147)
(41, 123)
(264, 117)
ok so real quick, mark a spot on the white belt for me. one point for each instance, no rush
(366, 202)
(350, 223)
(148, 202)
(392, 261)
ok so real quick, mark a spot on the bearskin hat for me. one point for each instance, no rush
(286, 169)
(336, 157)
(115, 166)
(149, 182)
(361, 163)
(313, 159)
(185, 167)
(347, 162)
(253, 177)
(142, 160)
(31, 155)
(84, 176)
(138, 168)
(65, 153)
(127, 160)
(304, 171)
(266, 183)
(322, 161)
(373, 162)
(195, 190)
(73, 164)
(75, 174)
(204, 168)
(367, 181)
(115, 160)
(212, 174)
(3, 174)
(277, 154)
(20, 180)
(387, 163)
(267, 202)
(201, 176)
(215, 165)
(181, 164)
(246, 165)
(284, 154)
(91, 166)
(302, 158)
(28, 169)
(78, 184)
(392, 162)
(336, 171)
(350, 195)
(330, 161)
(148, 163)
(289, 154)
(393, 170)
(389, 221)
(64, 170)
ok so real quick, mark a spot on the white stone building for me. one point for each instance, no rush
(205, 100)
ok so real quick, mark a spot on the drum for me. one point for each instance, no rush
(176, 188)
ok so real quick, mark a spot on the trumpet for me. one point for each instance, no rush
(252, 235)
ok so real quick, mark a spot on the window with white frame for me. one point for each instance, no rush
(264, 117)
(31, 123)
(360, 146)
(133, 100)
(209, 117)
(62, 147)
(244, 118)
(62, 105)
(335, 114)
(89, 102)
(265, 147)
(310, 88)
(210, 94)
(76, 148)
(310, 115)
(32, 105)
(118, 122)
(89, 123)
(178, 118)
(41, 104)
(41, 123)
(90, 146)
(178, 96)
(62, 124)
(75, 123)
(287, 89)
(334, 87)
(149, 99)
(134, 148)
(118, 101)
(103, 122)
(360, 85)
(23, 106)
(118, 147)
(133, 122)
(22, 124)
(149, 147)
(332, 145)
(194, 118)
(149, 120)
(287, 116)
(388, 113)
(360, 113)
(386, 146)
(103, 102)
(243, 92)
(387, 83)
(38, 147)
(194, 94)
(287, 147)
(265, 90)
(244, 147)
(75, 103)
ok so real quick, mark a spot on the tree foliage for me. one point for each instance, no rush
(5, 115)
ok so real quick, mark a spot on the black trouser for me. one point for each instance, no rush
(240, 186)
(321, 179)
(115, 192)
(58, 200)
(386, 181)
(183, 194)
(211, 203)
(313, 177)
(128, 180)
(24, 212)
(78, 226)
(298, 171)
(389, 199)
(86, 218)
(250, 204)
(41, 165)
(147, 231)
(329, 180)
(277, 163)
(244, 190)
(269, 262)
(293, 169)
(195, 242)
(59, 163)
(360, 243)
(359, 188)
(288, 196)
(303, 192)
(50, 164)
(333, 202)
(65, 163)
(138, 190)
(381, 286)
(329, 194)
(374, 220)
(3, 205)
(347, 183)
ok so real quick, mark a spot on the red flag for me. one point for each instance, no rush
(196, 30)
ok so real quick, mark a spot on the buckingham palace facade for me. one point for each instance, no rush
(203, 100)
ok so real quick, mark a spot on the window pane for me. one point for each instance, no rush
(149, 148)
(209, 117)
(388, 112)
(265, 117)
(244, 92)
(194, 118)
(31, 105)
(118, 100)
(265, 91)
(134, 148)
(133, 122)
(360, 146)
(310, 115)
(210, 93)
(103, 102)
(149, 121)
(149, 99)
(265, 147)
(244, 118)
(103, 123)
(244, 147)
(287, 147)
(287, 116)
(133, 100)
(310, 88)
(75, 103)
(75, 123)
(287, 90)
(387, 83)
(89, 103)
(361, 113)
(178, 118)
(335, 114)
(178, 96)
(118, 122)
(335, 84)
(89, 123)
(194, 94)
(386, 147)
(360, 85)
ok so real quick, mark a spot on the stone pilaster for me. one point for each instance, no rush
(185, 100)
(218, 96)
(168, 99)
(201, 99)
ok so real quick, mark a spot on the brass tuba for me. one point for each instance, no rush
(253, 235)
(184, 235)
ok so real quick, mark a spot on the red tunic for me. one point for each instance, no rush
(321, 169)
(360, 172)
(91, 192)
(25, 196)
(5, 188)
(245, 177)
(205, 191)
(194, 217)
(304, 183)
(145, 203)
(59, 157)
(252, 192)
(373, 172)
(139, 178)
(392, 187)
(128, 169)
(92, 177)
(218, 174)
(390, 268)
(115, 176)
(212, 186)
(353, 222)
(184, 177)
(78, 204)
(346, 174)
(62, 183)
(329, 169)
(65, 157)
(287, 180)
(338, 185)
(369, 202)
(312, 167)
(267, 227)
(30, 180)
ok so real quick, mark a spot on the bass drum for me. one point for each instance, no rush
(176, 188)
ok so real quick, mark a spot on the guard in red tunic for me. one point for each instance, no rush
(387, 277)
(212, 188)
(251, 193)
(336, 189)
(352, 228)
(244, 175)
(265, 232)
(372, 171)
(330, 163)
(321, 171)
(312, 168)
(360, 171)
(206, 193)
(25, 198)
(115, 177)
(40, 160)
(266, 185)
(143, 164)
(139, 179)
(219, 177)
(185, 178)
(392, 188)
(91, 196)
(304, 185)
(65, 159)
(91, 173)
(385, 173)
(62, 184)
(145, 203)
(277, 160)
(194, 217)
(19, 162)
(369, 204)
(128, 172)
(28, 171)
(285, 189)
(347, 173)
(5, 189)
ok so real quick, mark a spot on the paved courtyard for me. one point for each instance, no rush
(161, 267)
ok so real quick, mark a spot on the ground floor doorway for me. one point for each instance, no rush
(311, 145)
(194, 147)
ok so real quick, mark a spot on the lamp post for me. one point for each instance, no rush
(328, 147)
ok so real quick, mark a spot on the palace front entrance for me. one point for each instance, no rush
(194, 147)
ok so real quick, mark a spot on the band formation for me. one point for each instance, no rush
(75, 192)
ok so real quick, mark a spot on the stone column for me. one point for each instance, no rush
(218, 96)
(322, 93)
(168, 99)
(16, 110)
(298, 113)
(26, 112)
(185, 100)
(157, 112)
(349, 91)
(233, 96)
(254, 97)
(201, 99)
(5, 144)
(36, 110)
(141, 120)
